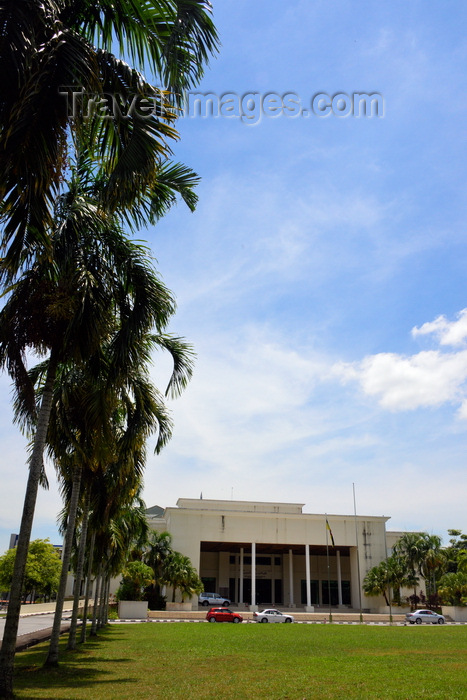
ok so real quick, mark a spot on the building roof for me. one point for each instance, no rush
(241, 506)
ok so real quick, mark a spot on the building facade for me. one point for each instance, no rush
(258, 553)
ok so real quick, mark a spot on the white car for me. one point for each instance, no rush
(272, 615)
(213, 599)
(419, 616)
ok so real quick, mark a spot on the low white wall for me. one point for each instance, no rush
(181, 606)
(35, 608)
(455, 612)
(133, 609)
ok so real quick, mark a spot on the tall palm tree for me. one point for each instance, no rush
(95, 423)
(96, 285)
(45, 45)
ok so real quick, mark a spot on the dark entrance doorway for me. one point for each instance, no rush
(263, 590)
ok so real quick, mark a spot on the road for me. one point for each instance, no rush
(31, 626)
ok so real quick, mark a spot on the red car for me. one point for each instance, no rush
(223, 615)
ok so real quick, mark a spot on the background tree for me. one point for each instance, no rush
(376, 581)
(180, 574)
(456, 549)
(452, 588)
(136, 577)
(158, 551)
(42, 572)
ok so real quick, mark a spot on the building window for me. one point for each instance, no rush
(209, 583)
(263, 561)
(314, 592)
(232, 558)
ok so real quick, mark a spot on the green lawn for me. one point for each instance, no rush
(201, 661)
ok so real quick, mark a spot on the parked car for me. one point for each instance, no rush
(223, 615)
(272, 615)
(419, 616)
(213, 599)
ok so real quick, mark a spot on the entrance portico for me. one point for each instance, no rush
(291, 575)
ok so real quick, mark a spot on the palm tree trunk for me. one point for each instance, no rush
(103, 616)
(79, 573)
(107, 601)
(7, 653)
(96, 602)
(88, 587)
(52, 656)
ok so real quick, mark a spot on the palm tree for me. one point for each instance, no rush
(399, 577)
(433, 563)
(181, 575)
(376, 581)
(159, 549)
(45, 45)
(411, 548)
(96, 284)
(96, 423)
(48, 44)
(121, 526)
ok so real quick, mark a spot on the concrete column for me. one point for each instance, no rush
(309, 607)
(339, 578)
(253, 605)
(291, 599)
(240, 593)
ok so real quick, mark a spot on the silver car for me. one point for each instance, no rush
(213, 599)
(272, 615)
(419, 616)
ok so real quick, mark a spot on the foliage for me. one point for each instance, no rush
(158, 550)
(456, 551)
(48, 45)
(181, 575)
(422, 555)
(156, 601)
(136, 577)
(376, 581)
(42, 569)
(391, 573)
(453, 588)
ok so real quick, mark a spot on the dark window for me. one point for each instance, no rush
(232, 595)
(277, 561)
(263, 561)
(209, 583)
(232, 558)
(314, 592)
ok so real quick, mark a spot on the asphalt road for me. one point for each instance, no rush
(33, 628)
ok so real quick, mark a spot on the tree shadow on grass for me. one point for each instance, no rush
(78, 671)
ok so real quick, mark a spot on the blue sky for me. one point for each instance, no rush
(321, 279)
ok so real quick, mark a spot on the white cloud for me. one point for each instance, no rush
(429, 378)
(447, 332)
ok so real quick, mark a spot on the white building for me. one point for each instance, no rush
(272, 553)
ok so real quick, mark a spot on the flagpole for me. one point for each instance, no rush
(389, 585)
(358, 557)
(327, 558)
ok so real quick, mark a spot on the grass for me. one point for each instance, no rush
(296, 662)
